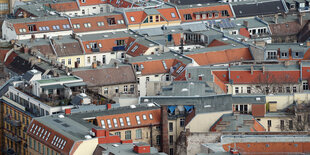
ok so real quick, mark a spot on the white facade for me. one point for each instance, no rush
(144, 79)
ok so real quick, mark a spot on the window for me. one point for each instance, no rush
(171, 139)
(296, 54)
(299, 119)
(187, 16)
(132, 19)
(134, 49)
(109, 123)
(305, 85)
(132, 88)
(151, 19)
(56, 27)
(111, 21)
(204, 16)
(284, 54)
(294, 89)
(83, 11)
(248, 90)
(88, 60)
(39, 147)
(115, 122)
(269, 123)
(139, 134)
(138, 119)
(157, 18)
(66, 26)
(103, 59)
(224, 13)
(116, 89)
(282, 124)
(120, 42)
(128, 121)
(121, 121)
(144, 117)
(87, 25)
(120, 21)
(30, 142)
(272, 55)
(22, 30)
(100, 24)
(102, 124)
(158, 139)
(290, 124)
(280, 90)
(167, 77)
(127, 135)
(170, 126)
(63, 61)
(69, 61)
(236, 90)
(182, 122)
(32, 28)
(76, 26)
(151, 116)
(105, 91)
(118, 134)
(173, 15)
(288, 89)
(125, 89)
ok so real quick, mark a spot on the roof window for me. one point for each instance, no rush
(115, 122)
(173, 15)
(132, 19)
(138, 119)
(102, 124)
(121, 121)
(128, 121)
(134, 49)
(109, 123)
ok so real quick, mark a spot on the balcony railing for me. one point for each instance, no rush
(14, 138)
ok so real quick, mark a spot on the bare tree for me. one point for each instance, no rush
(272, 83)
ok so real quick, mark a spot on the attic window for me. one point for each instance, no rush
(187, 16)
(102, 124)
(151, 116)
(32, 28)
(111, 21)
(66, 26)
(144, 117)
(87, 25)
(115, 122)
(76, 26)
(135, 48)
(132, 19)
(138, 119)
(87, 46)
(100, 24)
(22, 30)
(56, 27)
(83, 1)
(100, 45)
(173, 15)
(128, 121)
(109, 123)
(120, 21)
(121, 121)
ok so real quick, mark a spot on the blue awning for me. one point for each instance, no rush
(172, 108)
(188, 107)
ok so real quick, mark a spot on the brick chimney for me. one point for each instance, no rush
(109, 106)
(308, 43)
(142, 148)
(94, 65)
(252, 69)
(67, 111)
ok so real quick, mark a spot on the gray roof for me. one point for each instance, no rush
(259, 8)
(185, 88)
(226, 139)
(249, 99)
(123, 149)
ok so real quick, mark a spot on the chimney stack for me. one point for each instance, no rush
(263, 69)
(246, 23)
(109, 106)
(67, 111)
(94, 65)
(308, 43)
(276, 18)
(252, 69)
(116, 64)
(300, 18)
(44, 36)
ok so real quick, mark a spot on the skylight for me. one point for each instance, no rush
(132, 19)
(134, 49)
(121, 121)
(151, 116)
(128, 121)
(172, 14)
(102, 124)
(138, 119)
(144, 117)
(109, 123)
(115, 122)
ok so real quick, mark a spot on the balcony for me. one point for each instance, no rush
(95, 50)
(13, 138)
(12, 122)
(119, 48)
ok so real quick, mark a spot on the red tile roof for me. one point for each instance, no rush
(10, 58)
(166, 13)
(121, 3)
(139, 49)
(157, 67)
(192, 10)
(93, 20)
(91, 2)
(138, 16)
(244, 32)
(48, 138)
(225, 56)
(63, 7)
(107, 44)
(216, 42)
(156, 119)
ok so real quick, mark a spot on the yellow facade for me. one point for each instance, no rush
(153, 22)
(4, 7)
(37, 148)
(15, 122)
(69, 61)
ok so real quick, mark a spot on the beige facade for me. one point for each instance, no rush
(112, 91)
(285, 100)
(143, 134)
(203, 122)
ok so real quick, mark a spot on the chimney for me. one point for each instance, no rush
(39, 59)
(94, 65)
(59, 37)
(74, 35)
(67, 69)
(252, 69)
(300, 18)
(44, 36)
(276, 18)
(25, 49)
(54, 73)
(308, 43)
(33, 37)
(141, 148)
(263, 69)
(246, 23)
(115, 64)
(109, 106)
(67, 111)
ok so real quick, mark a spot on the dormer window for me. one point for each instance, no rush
(87, 25)
(32, 28)
(111, 21)
(83, 1)
(284, 54)
(187, 16)
(134, 49)
(132, 19)
(296, 54)
(100, 23)
(173, 15)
